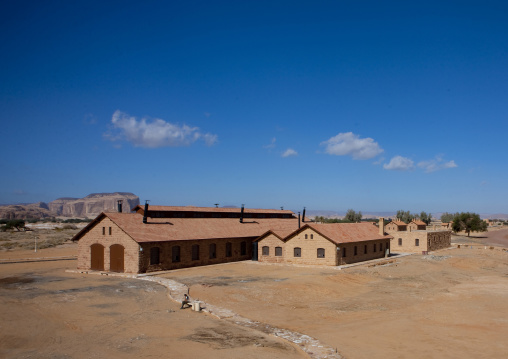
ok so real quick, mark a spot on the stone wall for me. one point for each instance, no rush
(100, 233)
(309, 250)
(439, 240)
(428, 241)
(185, 261)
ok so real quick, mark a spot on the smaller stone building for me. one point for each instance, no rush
(329, 244)
(396, 226)
(420, 241)
(417, 225)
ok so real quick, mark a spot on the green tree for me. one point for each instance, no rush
(468, 222)
(405, 216)
(448, 217)
(15, 223)
(353, 216)
(425, 217)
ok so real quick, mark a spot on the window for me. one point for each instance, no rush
(278, 251)
(344, 252)
(154, 255)
(320, 252)
(356, 250)
(109, 230)
(229, 249)
(175, 254)
(305, 236)
(365, 249)
(195, 252)
(311, 236)
(417, 242)
(297, 252)
(400, 241)
(380, 247)
(265, 250)
(243, 248)
(103, 231)
(213, 251)
(374, 247)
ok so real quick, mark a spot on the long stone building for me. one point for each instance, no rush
(325, 244)
(161, 237)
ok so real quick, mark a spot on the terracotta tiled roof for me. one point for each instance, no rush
(399, 223)
(212, 209)
(168, 229)
(418, 222)
(349, 232)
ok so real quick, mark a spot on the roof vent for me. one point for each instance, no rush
(145, 213)
(241, 214)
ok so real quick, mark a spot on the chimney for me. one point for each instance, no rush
(303, 216)
(381, 226)
(145, 213)
(241, 214)
(119, 202)
(298, 220)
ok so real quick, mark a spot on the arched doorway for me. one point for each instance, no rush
(116, 258)
(97, 257)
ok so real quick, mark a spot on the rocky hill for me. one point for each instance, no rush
(89, 206)
(93, 204)
(25, 211)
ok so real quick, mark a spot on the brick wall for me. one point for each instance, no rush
(100, 233)
(166, 250)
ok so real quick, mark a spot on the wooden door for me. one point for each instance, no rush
(97, 257)
(116, 258)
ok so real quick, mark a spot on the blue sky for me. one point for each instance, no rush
(375, 106)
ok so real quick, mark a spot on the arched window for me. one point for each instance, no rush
(320, 252)
(356, 250)
(278, 251)
(297, 252)
(311, 236)
(305, 236)
(265, 250)
(154, 255)
(175, 254)
(229, 249)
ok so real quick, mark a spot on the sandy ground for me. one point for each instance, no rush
(449, 304)
(48, 313)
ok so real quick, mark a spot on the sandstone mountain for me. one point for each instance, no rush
(93, 204)
(25, 211)
(89, 206)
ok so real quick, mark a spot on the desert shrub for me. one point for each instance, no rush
(3, 221)
(69, 226)
(3, 228)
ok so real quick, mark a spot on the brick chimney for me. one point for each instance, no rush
(381, 226)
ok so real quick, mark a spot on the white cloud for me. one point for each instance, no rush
(399, 163)
(271, 144)
(350, 144)
(436, 164)
(155, 133)
(289, 152)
